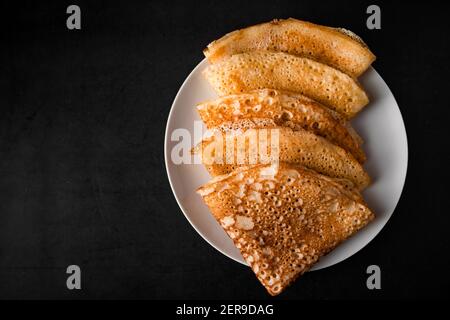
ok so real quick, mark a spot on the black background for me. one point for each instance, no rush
(82, 175)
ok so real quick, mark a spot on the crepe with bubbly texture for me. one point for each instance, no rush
(337, 47)
(261, 141)
(283, 219)
(275, 70)
(285, 109)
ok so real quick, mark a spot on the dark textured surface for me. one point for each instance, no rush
(82, 176)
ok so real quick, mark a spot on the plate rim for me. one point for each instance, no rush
(166, 146)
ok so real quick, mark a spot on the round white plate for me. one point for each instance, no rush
(380, 124)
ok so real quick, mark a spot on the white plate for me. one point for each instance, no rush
(380, 124)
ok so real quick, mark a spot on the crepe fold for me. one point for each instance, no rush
(286, 109)
(337, 47)
(261, 141)
(284, 218)
(275, 70)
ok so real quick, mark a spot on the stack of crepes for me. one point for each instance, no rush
(294, 84)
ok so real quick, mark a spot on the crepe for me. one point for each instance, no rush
(285, 109)
(283, 219)
(337, 47)
(263, 69)
(261, 141)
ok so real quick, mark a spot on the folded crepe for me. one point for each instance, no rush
(261, 141)
(337, 47)
(283, 219)
(286, 109)
(275, 70)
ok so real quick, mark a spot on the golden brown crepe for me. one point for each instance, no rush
(337, 47)
(285, 109)
(261, 141)
(283, 219)
(275, 70)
